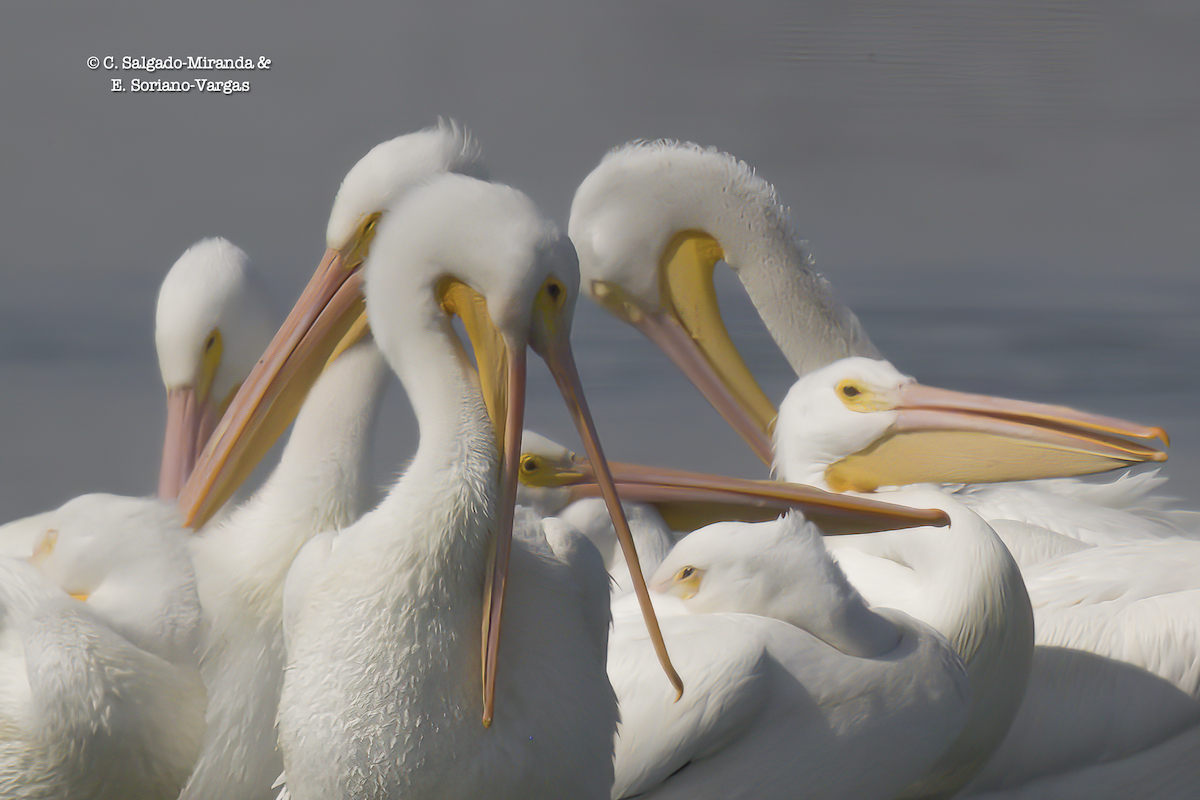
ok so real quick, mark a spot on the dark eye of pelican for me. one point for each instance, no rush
(208, 345)
(529, 464)
(851, 391)
(554, 290)
(686, 573)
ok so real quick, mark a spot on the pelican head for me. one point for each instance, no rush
(546, 473)
(859, 424)
(213, 321)
(646, 197)
(777, 569)
(126, 558)
(650, 224)
(331, 304)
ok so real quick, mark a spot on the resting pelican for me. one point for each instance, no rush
(860, 424)
(650, 223)
(754, 711)
(318, 485)
(101, 694)
(212, 321)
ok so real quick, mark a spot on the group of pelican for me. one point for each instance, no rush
(925, 603)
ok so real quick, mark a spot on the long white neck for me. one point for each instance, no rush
(810, 325)
(456, 466)
(318, 485)
(320, 480)
(973, 595)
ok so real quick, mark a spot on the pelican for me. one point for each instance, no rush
(855, 424)
(1117, 667)
(381, 696)
(318, 485)
(859, 424)
(101, 693)
(784, 704)
(212, 321)
(650, 223)
(962, 582)
(773, 688)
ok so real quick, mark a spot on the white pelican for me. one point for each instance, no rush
(211, 323)
(860, 424)
(319, 485)
(381, 696)
(545, 476)
(101, 696)
(866, 711)
(1117, 667)
(650, 223)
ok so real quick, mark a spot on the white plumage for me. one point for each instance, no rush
(100, 698)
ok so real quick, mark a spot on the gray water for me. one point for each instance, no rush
(1007, 193)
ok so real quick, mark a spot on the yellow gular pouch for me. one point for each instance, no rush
(491, 354)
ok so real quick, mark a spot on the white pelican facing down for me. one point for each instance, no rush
(650, 223)
(382, 694)
(319, 485)
(212, 322)
(274, 391)
(100, 695)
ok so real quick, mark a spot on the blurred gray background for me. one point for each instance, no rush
(1008, 193)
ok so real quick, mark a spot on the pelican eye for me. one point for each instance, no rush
(555, 290)
(530, 464)
(686, 573)
(210, 342)
(851, 391)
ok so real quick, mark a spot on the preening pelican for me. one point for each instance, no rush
(652, 220)
(212, 322)
(319, 485)
(101, 694)
(382, 693)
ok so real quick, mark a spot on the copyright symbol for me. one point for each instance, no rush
(93, 62)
